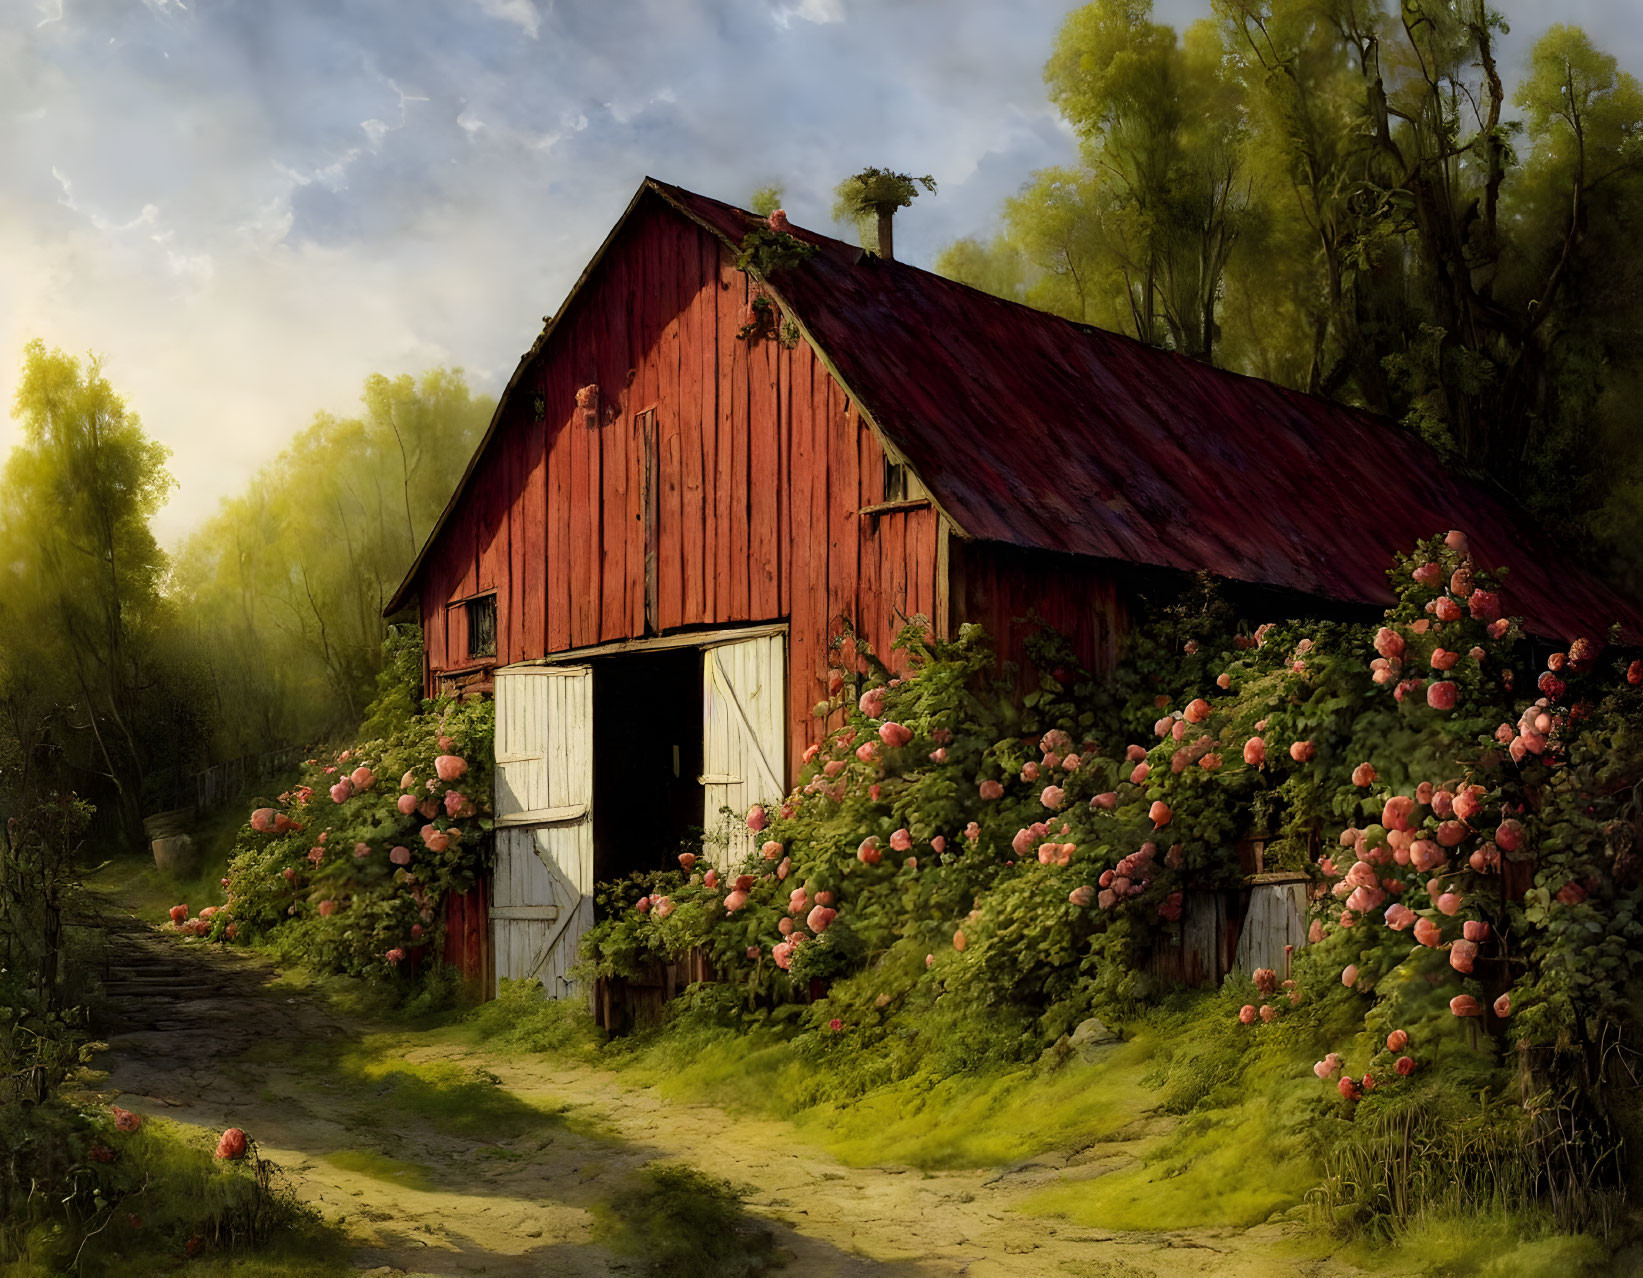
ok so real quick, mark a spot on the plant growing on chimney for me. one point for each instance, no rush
(870, 200)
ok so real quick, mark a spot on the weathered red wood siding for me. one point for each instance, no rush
(467, 935)
(761, 467)
(1006, 589)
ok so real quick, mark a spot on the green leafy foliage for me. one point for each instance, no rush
(284, 587)
(107, 1201)
(1349, 197)
(764, 251)
(972, 865)
(348, 870)
(869, 200)
(683, 1222)
(90, 681)
(42, 994)
(766, 199)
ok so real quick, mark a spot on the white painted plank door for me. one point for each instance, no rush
(744, 742)
(542, 892)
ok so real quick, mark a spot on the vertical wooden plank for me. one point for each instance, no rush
(740, 493)
(843, 542)
(560, 464)
(783, 359)
(649, 519)
(929, 551)
(431, 607)
(732, 363)
(713, 760)
(641, 395)
(610, 440)
(941, 614)
(764, 479)
(916, 572)
(775, 708)
(694, 406)
(870, 488)
(487, 503)
(543, 735)
(508, 611)
(714, 360)
(583, 497)
(532, 562)
(893, 576)
(669, 296)
(510, 606)
(806, 555)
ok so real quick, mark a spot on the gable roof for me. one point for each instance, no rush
(1038, 432)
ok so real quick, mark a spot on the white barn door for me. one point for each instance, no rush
(542, 893)
(744, 755)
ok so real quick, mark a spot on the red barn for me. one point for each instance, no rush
(696, 476)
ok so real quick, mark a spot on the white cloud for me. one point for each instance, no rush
(522, 13)
(819, 12)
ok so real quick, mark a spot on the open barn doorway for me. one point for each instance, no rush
(647, 760)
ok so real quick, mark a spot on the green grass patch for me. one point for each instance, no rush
(684, 1224)
(987, 1120)
(134, 882)
(393, 1171)
(1221, 1169)
(387, 1089)
(160, 1195)
(1484, 1245)
(520, 1019)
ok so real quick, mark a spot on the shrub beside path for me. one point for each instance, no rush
(443, 1159)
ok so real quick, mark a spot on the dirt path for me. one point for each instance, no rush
(501, 1171)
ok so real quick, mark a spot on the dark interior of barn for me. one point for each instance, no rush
(647, 754)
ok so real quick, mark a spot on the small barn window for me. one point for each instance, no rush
(895, 481)
(482, 626)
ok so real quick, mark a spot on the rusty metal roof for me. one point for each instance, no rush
(1035, 431)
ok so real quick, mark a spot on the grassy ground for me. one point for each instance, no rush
(149, 892)
(1200, 1136)
(174, 1194)
(1180, 1127)
(1227, 1163)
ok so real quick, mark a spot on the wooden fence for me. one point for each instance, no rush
(217, 785)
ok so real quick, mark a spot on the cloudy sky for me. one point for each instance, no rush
(246, 207)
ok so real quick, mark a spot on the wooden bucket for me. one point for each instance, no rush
(175, 855)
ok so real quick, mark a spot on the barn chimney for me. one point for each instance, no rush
(887, 234)
(879, 193)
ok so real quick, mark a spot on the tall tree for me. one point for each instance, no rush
(82, 604)
(1166, 190)
(285, 585)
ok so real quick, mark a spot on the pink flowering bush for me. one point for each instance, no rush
(1468, 838)
(1005, 857)
(356, 883)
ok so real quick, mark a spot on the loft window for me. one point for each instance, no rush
(482, 626)
(895, 481)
